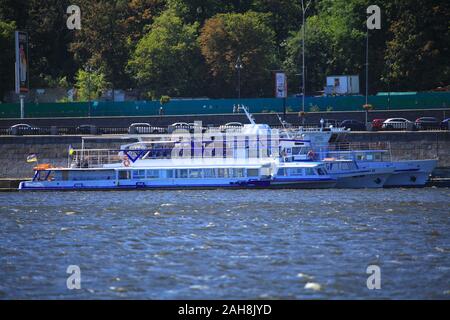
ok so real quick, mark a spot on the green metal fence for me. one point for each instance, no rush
(432, 100)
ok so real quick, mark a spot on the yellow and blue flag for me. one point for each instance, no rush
(32, 158)
(71, 150)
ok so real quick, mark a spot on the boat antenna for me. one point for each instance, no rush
(247, 113)
(283, 124)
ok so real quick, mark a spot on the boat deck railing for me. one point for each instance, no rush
(95, 158)
(355, 146)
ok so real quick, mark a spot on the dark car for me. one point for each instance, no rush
(426, 123)
(327, 123)
(445, 124)
(87, 129)
(23, 129)
(353, 125)
(377, 124)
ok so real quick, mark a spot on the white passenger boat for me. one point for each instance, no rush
(350, 175)
(159, 174)
(347, 172)
(406, 173)
(246, 158)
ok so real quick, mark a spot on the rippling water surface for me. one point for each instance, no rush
(253, 244)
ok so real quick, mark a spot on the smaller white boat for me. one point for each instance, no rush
(351, 176)
(304, 175)
(406, 173)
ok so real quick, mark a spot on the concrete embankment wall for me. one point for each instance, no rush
(409, 145)
(49, 149)
(54, 149)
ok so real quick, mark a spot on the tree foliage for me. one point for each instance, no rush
(190, 47)
(90, 85)
(167, 59)
(6, 56)
(224, 38)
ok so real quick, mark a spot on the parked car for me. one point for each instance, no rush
(353, 125)
(398, 124)
(231, 126)
(144, 128)
(445, 124)
(193, 126)
(179, 126)
(377, 124)
(22, 128)
(87, 129)
(330, 122)
(426, 123)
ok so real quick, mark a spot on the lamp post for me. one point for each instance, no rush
(367, 67)
(389, 84)
(89, 71)
(304, 10)
(238, 67)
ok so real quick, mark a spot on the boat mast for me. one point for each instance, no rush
(248, 114)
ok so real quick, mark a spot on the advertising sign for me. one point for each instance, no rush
(22, 62)
(280, 85)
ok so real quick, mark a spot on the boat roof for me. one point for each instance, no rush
(300, 164)
(200, 163)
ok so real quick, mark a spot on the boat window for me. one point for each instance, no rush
(195, 173)
(237, 173)
(309, 172)
(208, 173)
(297, 150)
(296, 171)
(183, 173)
(281, 172)
(169, 174)
(252, 172)
(345, 166)
(124, 174)
(222, 173)
(138, 174)
(369, 157)
(321, 171)
(378, 157)
(152, 174)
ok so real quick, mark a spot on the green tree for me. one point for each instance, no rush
(200, 10)
(224, 38)
(285, 16)
(335, 43)
(418, 51)
(7, 58)
(167, 60)
(139, 17)
(102, 40)
(49, 38)
(90, 85)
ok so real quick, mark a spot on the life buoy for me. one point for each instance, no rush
(311, 154)
(126, 162)
(42, 166)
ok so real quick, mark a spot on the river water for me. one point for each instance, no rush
(249, 244)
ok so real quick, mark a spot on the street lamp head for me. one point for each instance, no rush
(238, 64)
